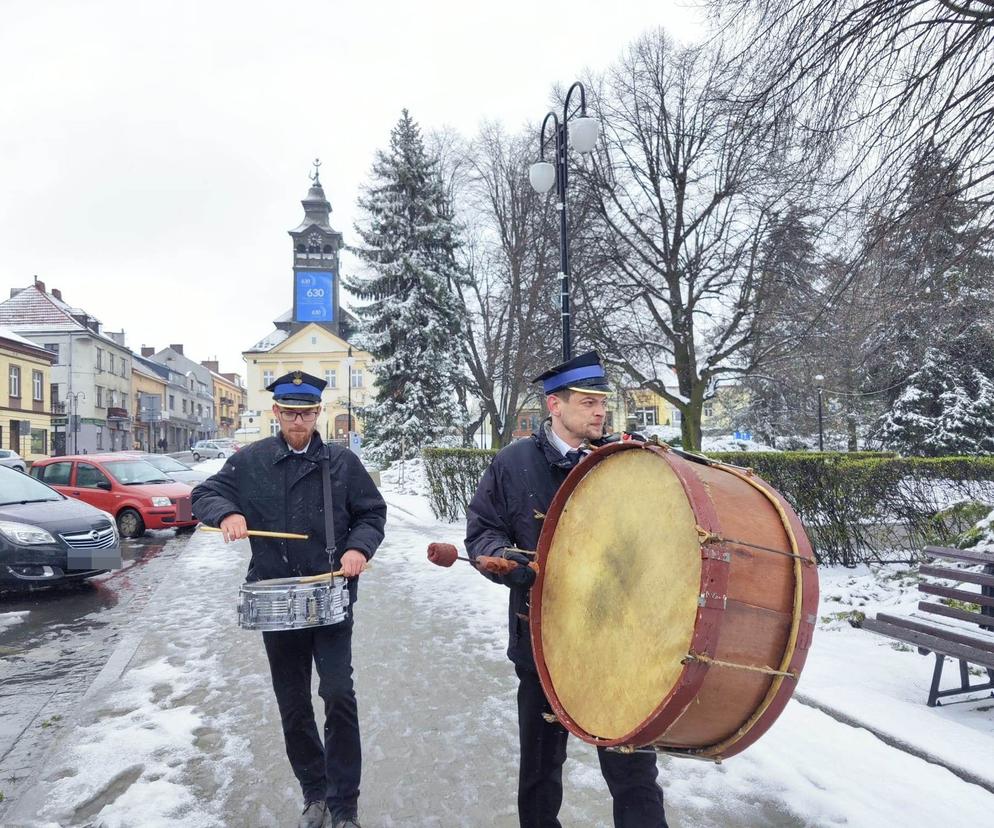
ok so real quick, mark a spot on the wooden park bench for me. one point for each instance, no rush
(950, 631)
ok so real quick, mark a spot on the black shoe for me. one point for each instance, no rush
(346, 822)
(314, 816)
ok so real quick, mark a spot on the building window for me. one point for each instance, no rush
(708, 410)
(39, 441)
(172, 402)
(124, 400)
(37, 386)
(274, 428)
(100, 359)
(676, 417)
(331, 377)
(100, 437)
(267, 378)
(184, 406)
(54, 348)
(110, 363)
(124, 367)
(100, 397)
(646, 416)
(15, 381)
(54, 395)
(200, 410)
(314, 340)
(357, 377)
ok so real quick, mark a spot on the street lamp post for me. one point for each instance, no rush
(349, 362)
(582, 130)
(821, 432)
(73, 400)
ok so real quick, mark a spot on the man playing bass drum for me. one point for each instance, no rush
(507, 511)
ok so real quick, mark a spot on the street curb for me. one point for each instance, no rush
(896, 742)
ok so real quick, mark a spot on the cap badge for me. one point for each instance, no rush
(297, 379)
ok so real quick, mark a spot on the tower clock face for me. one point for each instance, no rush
(314, 239)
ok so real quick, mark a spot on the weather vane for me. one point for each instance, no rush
(315, 177)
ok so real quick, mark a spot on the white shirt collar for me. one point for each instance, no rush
(561, 445)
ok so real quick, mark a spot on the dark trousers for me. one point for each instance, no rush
(631, 778)
(331, 771)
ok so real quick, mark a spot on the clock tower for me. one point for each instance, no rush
(316, 269)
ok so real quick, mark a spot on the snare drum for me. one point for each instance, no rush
(292, 603)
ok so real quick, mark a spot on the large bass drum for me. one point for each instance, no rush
(674, 605)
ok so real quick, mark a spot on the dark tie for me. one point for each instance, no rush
(573, 457)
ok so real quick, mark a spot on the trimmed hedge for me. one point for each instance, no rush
(856, 507)
(453, 475)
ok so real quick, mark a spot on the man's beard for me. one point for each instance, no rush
(297, 440)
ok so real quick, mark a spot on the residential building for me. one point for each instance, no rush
(149, 384)
(230, 399)
(91, 375)
(26, 412)
(312, 336)
(189, 404)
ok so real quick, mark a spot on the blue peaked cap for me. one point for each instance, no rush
(297, 390)
(582, 373)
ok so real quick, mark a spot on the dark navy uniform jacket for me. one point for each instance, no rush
(279, 491)
(507, 510)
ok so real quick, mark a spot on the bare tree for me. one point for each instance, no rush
(509, 257)
(885, 76)
(687, 185)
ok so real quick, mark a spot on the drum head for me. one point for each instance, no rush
(620, 582)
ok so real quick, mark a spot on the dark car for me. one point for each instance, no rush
(137, 494)
(46, 538)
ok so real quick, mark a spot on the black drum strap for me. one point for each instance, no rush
(329, 515)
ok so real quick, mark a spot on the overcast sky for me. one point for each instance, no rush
(154, 154)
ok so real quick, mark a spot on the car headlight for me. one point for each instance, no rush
(24, 533)
(161, 501)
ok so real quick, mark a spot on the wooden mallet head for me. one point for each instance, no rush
(442, 554)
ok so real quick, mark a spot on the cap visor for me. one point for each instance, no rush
(579, 390)
(283, 404)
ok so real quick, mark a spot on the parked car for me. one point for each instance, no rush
(204, 449)
(47, 538)
(12, 460)
(172, 468)
(136, 493)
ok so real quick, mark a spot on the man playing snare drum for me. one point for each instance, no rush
(507, 511)
(275, 485)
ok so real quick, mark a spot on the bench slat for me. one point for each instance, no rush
(959, 595)
(968, 555)
(964, 575)
(932, 643)
(953, 612)
(946, 631)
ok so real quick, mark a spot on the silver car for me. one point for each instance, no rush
(174, 469)
(12, 460)
(204, 449)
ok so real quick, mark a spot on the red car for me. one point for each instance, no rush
(136, 493)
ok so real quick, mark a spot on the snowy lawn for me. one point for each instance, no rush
(189, 734)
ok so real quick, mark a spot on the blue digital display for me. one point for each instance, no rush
(315, 296)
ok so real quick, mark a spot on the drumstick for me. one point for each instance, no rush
(259, 533)
(326, 576)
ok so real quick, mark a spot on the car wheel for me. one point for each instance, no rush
(21, 469)
(196, 457)
(220, 455)
(130, 524)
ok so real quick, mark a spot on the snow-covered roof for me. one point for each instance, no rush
(270, 340)
(6, 333)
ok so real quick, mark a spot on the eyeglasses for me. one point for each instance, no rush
(305, 416)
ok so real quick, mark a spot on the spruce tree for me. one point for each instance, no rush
(410, 321)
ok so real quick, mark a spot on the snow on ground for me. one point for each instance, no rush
(189, 735)
(9, 619)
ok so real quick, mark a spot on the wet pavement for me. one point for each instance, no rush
(55, 641)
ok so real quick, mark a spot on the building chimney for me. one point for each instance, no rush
(210, 365)
(57, 293)
(39, 284)
(177, 348)
(147, 351)
(15, 291)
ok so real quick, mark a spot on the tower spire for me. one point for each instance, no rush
(315, 176)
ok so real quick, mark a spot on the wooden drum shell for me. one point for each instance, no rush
(755, 609)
